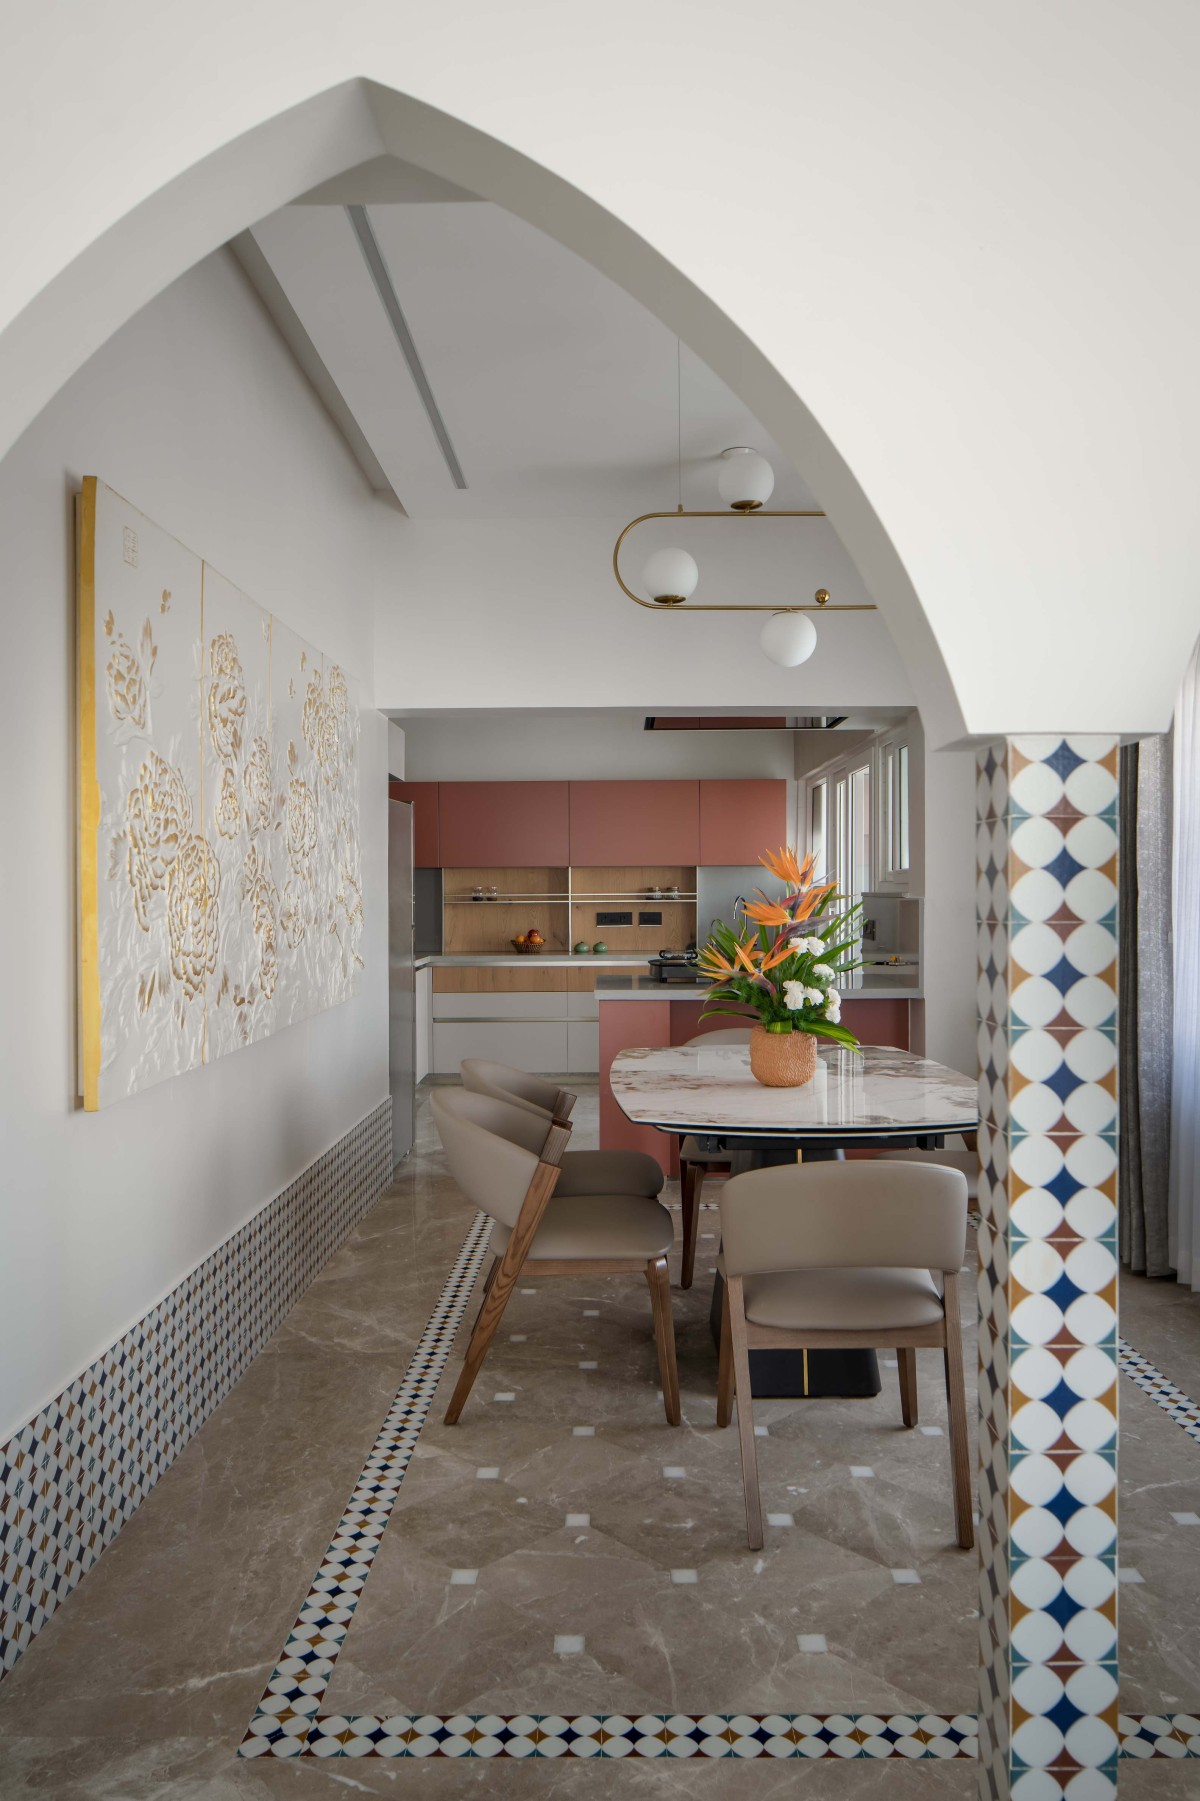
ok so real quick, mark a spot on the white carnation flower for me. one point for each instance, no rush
(822, 972)
(813, 946)
(793, 995)
(833, 1006)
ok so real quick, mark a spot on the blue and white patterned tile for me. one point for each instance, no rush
(81, 1469)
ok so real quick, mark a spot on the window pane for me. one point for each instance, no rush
(902, 807)
(860, 828)
(816, 826)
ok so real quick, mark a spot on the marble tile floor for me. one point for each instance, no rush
(142, 1686)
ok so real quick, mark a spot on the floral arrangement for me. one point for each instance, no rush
(785, 963)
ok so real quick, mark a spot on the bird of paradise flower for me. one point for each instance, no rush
(785, 963)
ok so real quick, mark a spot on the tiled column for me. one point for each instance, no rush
(1047, 900)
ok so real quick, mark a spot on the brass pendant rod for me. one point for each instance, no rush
(694, 606)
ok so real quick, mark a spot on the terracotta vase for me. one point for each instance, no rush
(782, 1059)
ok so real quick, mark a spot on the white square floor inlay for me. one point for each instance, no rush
(862, 1470)
(682, 1576)
(889, 1363)
(1186, 1519)
(491, 1474)
(781, 1519)
(811, 1641)
(589, 1366)
(579, 1519)
(463, 1578)
(931, 1431)
(591, 1313)
(1125, 1574)
(518, 1338)
(761, 1432)
(583, 1431)
(904, 1578)
(529, 1291)
(674, 1472)
(568, 1644)
(507, 1396)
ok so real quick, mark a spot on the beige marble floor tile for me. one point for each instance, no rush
(142, 1686)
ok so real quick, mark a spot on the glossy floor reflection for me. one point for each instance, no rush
(547, 1555)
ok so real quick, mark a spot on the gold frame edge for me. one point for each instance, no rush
(89, 805)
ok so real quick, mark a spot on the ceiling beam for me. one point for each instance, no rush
(360, 224)
(267, 286)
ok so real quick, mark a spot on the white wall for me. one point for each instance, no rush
(582, 747)
(196, 413)
(526, 613)
(937, 253)
(395, 750)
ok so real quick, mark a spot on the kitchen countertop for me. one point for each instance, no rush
(901, 984)
(552, 960)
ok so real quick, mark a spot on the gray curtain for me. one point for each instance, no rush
(1145, 1005)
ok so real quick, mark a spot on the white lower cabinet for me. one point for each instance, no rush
(554, 1034)
(583, 1047)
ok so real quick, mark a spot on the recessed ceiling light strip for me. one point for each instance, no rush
(369, 245)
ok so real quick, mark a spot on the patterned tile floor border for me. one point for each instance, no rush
(1178, 1406)
(288, 1721)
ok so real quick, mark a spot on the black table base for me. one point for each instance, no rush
(803, 1375)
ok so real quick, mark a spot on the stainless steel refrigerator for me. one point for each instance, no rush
(401, 980)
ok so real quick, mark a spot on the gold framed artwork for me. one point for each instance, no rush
(220, 895)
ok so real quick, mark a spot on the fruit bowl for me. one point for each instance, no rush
(526, 949)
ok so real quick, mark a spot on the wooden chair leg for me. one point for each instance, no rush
(658, 1276)
(745, 1411)
(487, 1290)
(501, 1285)
(960, 1454)
(907, 1361)
(691, 1181)
(725, 1366)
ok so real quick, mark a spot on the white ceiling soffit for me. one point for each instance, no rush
(558, 391)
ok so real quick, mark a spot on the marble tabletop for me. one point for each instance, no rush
(879, 1093)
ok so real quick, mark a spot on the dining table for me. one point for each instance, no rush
(873, 1098)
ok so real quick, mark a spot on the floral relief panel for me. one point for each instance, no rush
(219, 858)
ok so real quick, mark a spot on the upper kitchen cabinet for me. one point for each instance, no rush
(741, 820)
(615, 823)
(501, 824)
(426, 835)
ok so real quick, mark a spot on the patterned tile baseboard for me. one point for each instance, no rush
(288, 1721)
(73, 1476)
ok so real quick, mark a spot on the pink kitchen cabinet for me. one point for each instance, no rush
(741, 820)
(504, 825)
(615, 823)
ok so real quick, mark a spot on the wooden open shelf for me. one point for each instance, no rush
(562, 904)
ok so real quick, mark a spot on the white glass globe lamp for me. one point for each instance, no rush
(669, 577)
(789, 638)
(745, 480)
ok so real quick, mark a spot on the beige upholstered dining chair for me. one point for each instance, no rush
(696, 1160)
(483, 1075)
(962, 1155)
(583, 1172)
(837, 1256)
(506, 1160)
